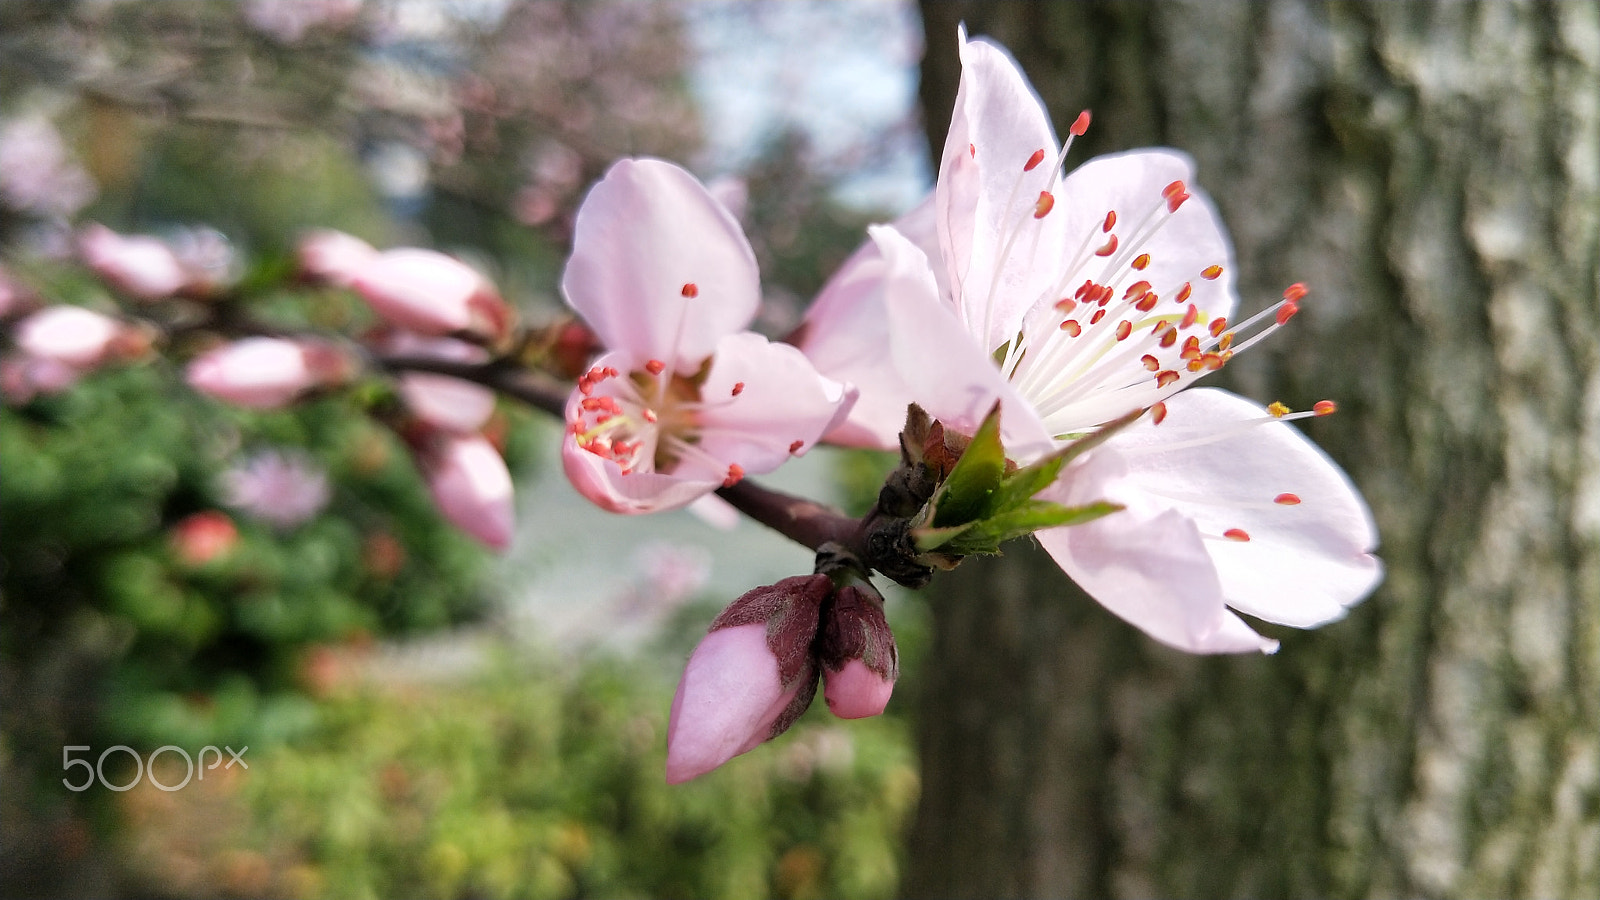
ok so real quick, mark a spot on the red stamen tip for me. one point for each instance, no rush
(795, 447)
(972, 150)
(1211, 272)
(1109, 248)
(1066, 305)
(1072, 327)
(691, 290)
(1158, 413)
(1124, 328)
(1286, 312)
(1141, 261)
(1325, 407)
(1080, 124)
(1218, 326)
(735, 474)
(1033, 161)
(738, 388)
(1287, 499)
(1166, 378)
(1110, 222)
(1184, 292)
(1176, 200)
(1295, 292)
(655, 367)
(1098, 315)
(1237, 534)
(1150, 362)
(1043, 205)
(1173, 189)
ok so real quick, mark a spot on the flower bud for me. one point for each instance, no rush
(266, 373)
(442, 401)
(431, 293)
(72, 335)
(472, 487)
(859, 661)
(749, 679)
(203, 537)
(140, 266)
(332, 257)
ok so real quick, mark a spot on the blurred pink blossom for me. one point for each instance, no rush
(288, 21)
(72, 335)
(443, 401)
(332, 257)
(432, 294)
(37, 172)
(266, 373)
(140, 266)
(471, 486)
(281, 488)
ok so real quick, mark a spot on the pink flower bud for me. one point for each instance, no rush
(68, 334)
(137, 265)
(431, 293)
(749, 679)
(859, 661)
(333, 257)
(266, 373)
(472, 487)
(445, 402)
(204, 536)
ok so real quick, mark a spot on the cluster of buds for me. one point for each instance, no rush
(757, 669)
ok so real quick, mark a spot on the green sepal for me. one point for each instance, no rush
(1029, 480)
(985, 536)
(967, 495)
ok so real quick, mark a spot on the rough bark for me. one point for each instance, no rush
(1432, 170)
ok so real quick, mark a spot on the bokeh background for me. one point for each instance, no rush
(427, 719)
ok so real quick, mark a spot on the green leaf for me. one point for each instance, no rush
(1021, 485)
(968, 494)
(986, 535)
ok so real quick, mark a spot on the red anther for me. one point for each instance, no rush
(655, 367)
(795, 447)
(1098, 315)
(1141, 261)
(585, 386)
(1109, 248)
(1124, 328)
(972, 150)
(1158, 413)
(1175, 201)
(1237, 534)
(1072, 327)
(650, 416)
(1043, 205)
(1287, 499)
(1110, 223)
(1190, 316)
(590, 404)
(1169, 338)
(1211, 272)
(1195, 364)
(1080, 124)
(1066, 305)
(1034, 160)
(1166, 377)
(1184, 292)
(575, 427)
(1325, 407)
(1176, 187)
(610, 372)
(1106, 292)
(1225, 342)
(738, 388)
(735, 473)
(1138, 287)
(1218, 325)
(1150, 362)
(1213, 361)
(1286, 312)
(1296, 292)
(1161, 325)
(1191, 347)
(1147, 302)
(691, 290)
(1083, 289)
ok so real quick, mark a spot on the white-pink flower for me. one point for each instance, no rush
(282, 488)
(72, 335)
(1074, 300)
(140, 266)
(471, 486)
(266, 372)
(685, 400)
(332, 256)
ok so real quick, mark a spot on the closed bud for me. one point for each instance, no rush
(859, 661)
(332, 257)
(140, 266)
(433, 294)
(749, 679)
(266, 373)
(472, 487)
(72, 335)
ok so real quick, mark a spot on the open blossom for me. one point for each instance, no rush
(1074, 300)
(684, 401)
(267, 373)
(283, 489)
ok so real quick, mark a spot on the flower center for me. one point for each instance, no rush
(648, 420)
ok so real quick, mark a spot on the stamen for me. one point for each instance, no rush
(1295, 292)
(1071, 327)
(1158, 413)
(1287, 499)
(655, 367)
(1211, 272)
(1109, 248)
(738, 388)
(1150, 362)
(1184, 292)
(1277, 409)
(1324, 408)
(1111, 221)
(1034, 160)
(691, 290)
(1080, 124)
(794, 448)
(1044, 204)
(1237, 534)
(1286, 312)
(1218, 325)
(1124, 328)
(1141, 261)
(735, 474)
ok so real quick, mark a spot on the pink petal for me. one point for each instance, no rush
(1304, 564)
(333, 256)
(431, 293)
(726, 702)
(781, 409)
(1151, 570)
(985, 196)
(949, 375)
(258, 372)
(856, 692)
(67, 334)
(648, 236)
(843, 336)
(601, 481)
(1189, 241)
(472, 488)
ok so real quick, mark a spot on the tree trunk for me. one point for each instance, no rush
(1432, 171)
